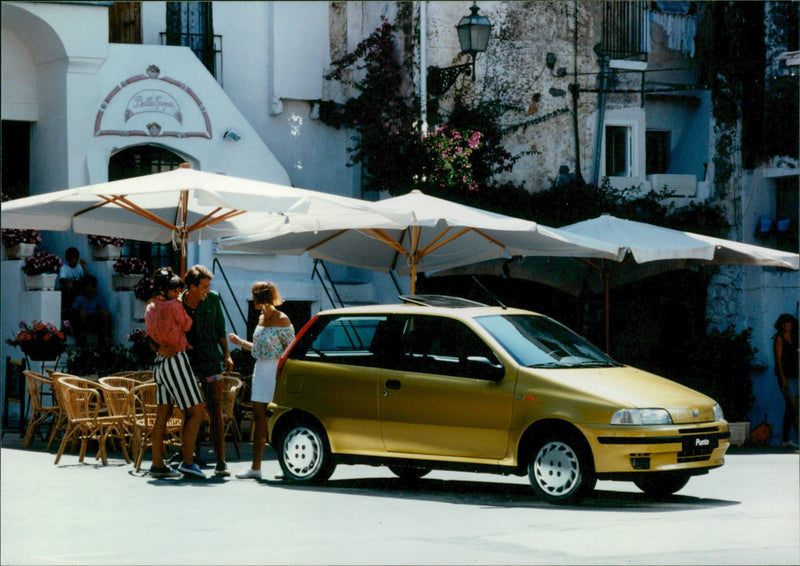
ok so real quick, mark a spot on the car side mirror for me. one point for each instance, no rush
(481, 367)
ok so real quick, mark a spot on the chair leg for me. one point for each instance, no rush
(67, 437)
(236, 436)
(33, 424)
(58, 420)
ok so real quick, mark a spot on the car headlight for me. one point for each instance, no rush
(641, 417)
(718, 416)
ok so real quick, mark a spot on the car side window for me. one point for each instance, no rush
(443, 346)
(345, 339)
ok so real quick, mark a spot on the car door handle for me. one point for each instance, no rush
(392, 384)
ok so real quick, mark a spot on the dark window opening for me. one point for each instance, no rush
(15, 153)
(191, 24)
(657, 145)
(299, 312)
(617, 149)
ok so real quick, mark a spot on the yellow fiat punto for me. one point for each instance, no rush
(446, 383)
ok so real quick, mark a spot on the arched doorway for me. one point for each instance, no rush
(134, 162)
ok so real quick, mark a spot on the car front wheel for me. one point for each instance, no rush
(305, 455)
(561, 472)
(661, 484)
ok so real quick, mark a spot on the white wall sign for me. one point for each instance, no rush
(150, 105)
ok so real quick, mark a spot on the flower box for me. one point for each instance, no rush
(106, 252)
(40, 341)
(20, 251)
(126, 282)
(41, 282)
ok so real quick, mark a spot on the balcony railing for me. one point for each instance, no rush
(626, 30)
(208, 49)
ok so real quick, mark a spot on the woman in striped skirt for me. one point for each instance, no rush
(167, 322)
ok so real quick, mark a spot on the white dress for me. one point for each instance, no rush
(269, 342)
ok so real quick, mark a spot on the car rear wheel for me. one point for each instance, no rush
(409, 473)
(661, 484)
(560, 471)
(305, 455)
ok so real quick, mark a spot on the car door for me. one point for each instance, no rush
(445, 394)
(333, 374)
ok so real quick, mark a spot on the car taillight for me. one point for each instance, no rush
(288, 350)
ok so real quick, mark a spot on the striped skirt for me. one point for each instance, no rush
(176, 384)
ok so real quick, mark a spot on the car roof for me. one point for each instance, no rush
(429, 304)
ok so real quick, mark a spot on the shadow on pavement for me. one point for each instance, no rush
(493, 494)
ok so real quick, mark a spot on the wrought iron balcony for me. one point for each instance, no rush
(208, 49)
(626, 30)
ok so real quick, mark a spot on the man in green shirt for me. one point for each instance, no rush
(209, 354)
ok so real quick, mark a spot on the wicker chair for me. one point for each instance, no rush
(119, 402)
(61, 424)
(82, 403)
(119, 381)
(231, 385)
(244, 407)
(41, 415)
(144, 403)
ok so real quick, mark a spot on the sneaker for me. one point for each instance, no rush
(191, 470)
(163, 472)
(250, 474)
(221, 470)
(790, 444)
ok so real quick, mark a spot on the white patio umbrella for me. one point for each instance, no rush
(438, 235)
(179, 206)
(650, 249)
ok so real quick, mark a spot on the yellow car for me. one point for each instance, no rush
(445, 383)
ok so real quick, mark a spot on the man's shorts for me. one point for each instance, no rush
(176, 384)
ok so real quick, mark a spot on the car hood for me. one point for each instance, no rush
(628, 387)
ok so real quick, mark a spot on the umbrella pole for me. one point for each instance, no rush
(606, 277)
(183, 229)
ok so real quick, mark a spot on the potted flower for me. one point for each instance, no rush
(128, 272)
(105, 247)
(39, 340)
(18, 243)
(41, 271)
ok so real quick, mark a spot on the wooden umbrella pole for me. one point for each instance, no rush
(607, 284)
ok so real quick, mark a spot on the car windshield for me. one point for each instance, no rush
(540, 342)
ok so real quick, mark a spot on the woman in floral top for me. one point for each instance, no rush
(270, 338)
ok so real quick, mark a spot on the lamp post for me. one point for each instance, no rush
(473, 35)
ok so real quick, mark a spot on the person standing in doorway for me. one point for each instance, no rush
(209, 355)
(270, 338)
(784, 346)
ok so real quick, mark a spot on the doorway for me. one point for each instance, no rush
(135, 162)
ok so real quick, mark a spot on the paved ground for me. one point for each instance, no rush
(745, 513)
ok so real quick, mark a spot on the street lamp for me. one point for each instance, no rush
(473, 35)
